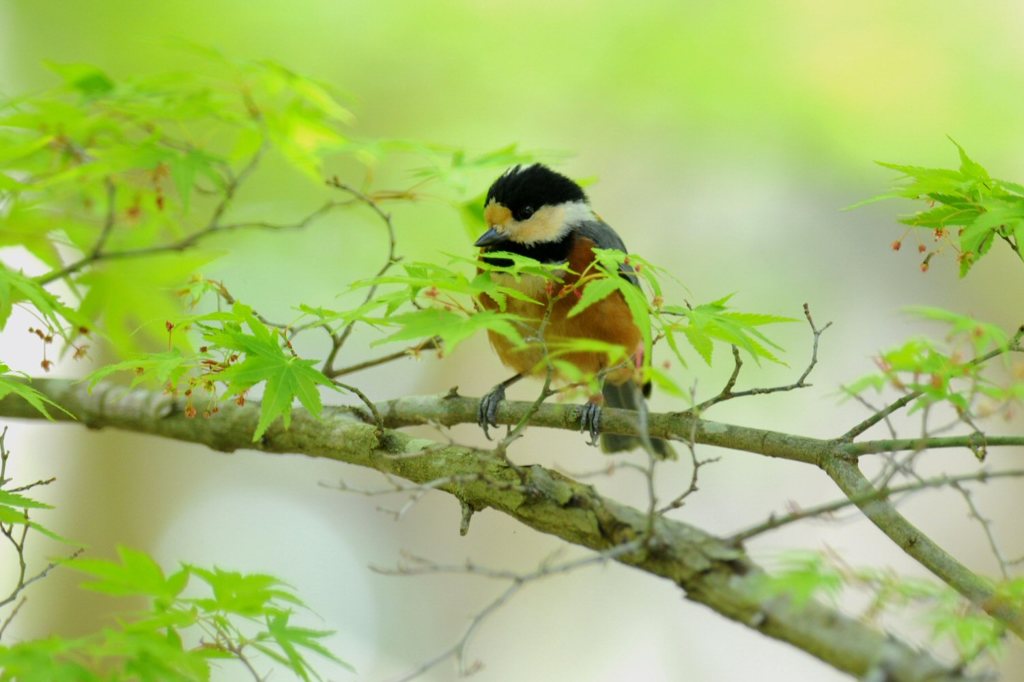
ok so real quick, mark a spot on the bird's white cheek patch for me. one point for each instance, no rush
(547, 224)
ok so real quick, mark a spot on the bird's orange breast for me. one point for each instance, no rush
(609, 320)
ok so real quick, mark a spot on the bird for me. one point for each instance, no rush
(537, 212)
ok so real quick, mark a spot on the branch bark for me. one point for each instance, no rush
(837, 458)
(710, 570)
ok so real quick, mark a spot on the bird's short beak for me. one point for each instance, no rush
(491, 236)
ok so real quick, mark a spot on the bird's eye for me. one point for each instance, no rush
(525, 212)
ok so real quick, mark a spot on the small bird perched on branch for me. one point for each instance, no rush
(535, 212)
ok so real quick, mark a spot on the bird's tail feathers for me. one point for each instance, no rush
(628, 396)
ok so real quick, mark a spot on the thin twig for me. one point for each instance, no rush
(429, 344)
(235, 181)
(775, 522)
(338, 340)
(858, 429)
(185, 242)
(222, 292)
(888, 422)
(727, 392)
(213, 225)
(986, 527)
(38, 576)
(696, 464)
(34, 484)
(970, 441)
(377, 418)
(517, 582)
(418, 491)
(108, 223)
(10, 617)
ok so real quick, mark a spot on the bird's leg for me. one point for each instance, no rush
(590, 418)
(487, 413)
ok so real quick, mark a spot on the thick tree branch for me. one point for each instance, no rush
(835, 457)
(915, 543)
(710, 570)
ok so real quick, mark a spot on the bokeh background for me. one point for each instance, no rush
(724, 139)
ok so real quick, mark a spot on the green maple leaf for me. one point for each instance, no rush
(287, 377)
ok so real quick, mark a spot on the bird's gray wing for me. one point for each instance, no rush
(604, 237)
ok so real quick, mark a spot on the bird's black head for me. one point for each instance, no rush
(524, 190)
(532, 205)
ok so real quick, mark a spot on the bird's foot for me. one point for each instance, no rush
(590, 421)
(487, 413)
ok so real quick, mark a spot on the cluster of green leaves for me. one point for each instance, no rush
(106, 181)
(109, 166)
(980, 208)
(15, 510)
(803, 575)
(126, 173)
(132, 169)
(193, 619)
(56, 319)
(423, 302)
(429, 300)
(14, 383)
(953, 371)
(701, 326)
(235, 617)
(239, 351)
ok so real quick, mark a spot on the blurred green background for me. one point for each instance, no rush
(724, 138)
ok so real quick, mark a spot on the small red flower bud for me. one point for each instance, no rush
(896, 245)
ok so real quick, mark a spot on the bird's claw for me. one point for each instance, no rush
(590, 421)
(487, 413)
